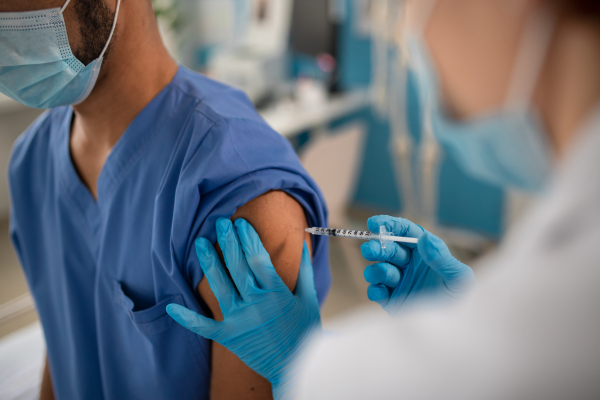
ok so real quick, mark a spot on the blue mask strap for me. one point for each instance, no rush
(531, 55)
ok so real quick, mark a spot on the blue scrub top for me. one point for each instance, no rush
(102, 272)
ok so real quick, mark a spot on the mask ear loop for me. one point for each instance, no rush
(98, 62)
(430, 151)
(400, 140)
(531, 55)
(426, 9)
(112, 30)
(64, 6)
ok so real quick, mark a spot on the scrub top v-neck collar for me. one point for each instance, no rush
(125, 154)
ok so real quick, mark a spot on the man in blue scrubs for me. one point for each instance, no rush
(136, 159)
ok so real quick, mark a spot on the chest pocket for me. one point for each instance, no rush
(150, 321)
(157, 358)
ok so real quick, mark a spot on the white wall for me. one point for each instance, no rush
(14, 118)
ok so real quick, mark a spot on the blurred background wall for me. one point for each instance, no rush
(14, 118)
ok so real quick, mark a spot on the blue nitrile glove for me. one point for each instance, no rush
(410, 273)
(264, 324)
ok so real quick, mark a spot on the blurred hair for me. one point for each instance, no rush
(589, 9)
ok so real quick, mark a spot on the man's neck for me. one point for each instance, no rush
(137, 68)
(132, 76)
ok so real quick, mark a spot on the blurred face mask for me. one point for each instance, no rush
(37, 66)
(508, 146)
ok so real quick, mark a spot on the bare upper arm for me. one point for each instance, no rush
(280, 222)
(46, 389)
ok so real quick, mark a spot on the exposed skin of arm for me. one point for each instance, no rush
(46, 390)
(279, 221)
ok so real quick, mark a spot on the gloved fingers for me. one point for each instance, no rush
(196, 323)
(398, 226)
(218, 280)
(457, 276)
(394, 253)
(383, 274)
(305, 287)
(258, 258)
(379, 294)
(235, 260)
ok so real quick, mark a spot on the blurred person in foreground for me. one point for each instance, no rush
(137, 157)
(512, 90)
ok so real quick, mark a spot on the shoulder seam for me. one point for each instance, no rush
(200, 101)
(183, 167)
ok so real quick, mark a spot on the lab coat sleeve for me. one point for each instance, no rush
(528, 333)
(531, 331)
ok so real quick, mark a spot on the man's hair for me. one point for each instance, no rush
(95, 19)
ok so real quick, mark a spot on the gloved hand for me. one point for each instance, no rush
(409, 273)
(264, 324)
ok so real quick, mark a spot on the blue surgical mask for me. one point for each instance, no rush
(37, 67)
(505, 147)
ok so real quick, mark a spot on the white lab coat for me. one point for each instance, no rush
(530, 331)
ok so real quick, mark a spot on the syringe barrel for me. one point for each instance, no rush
(384, 236)
(347, 233)
(364, 235)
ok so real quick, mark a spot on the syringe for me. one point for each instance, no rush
(384, 236)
